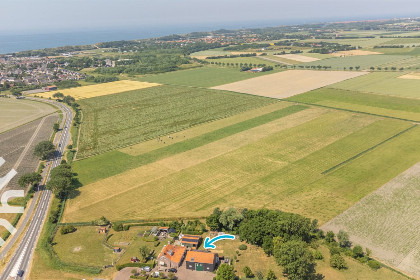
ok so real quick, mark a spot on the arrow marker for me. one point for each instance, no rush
(208, 243)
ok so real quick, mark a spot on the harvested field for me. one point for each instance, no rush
(289, 83)
(13, 143)
(119, 120)
(279, 164)
(297, 57)
(411, 76)
(353, 53)
(100, 89)
(16, 112)
(388, 83)
(387, 222)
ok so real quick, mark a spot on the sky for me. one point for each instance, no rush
(44, 16)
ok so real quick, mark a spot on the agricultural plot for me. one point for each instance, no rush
(282, 164)
(298, 58)
(390, 106)
(353, 53)
(100, 89)
(119, 120)
(389, 83)
(16, 112)
(387, 222)
(403, 41)
(289, 83)
(362, 42)
(201, 77)
(364, 62)
(13, 143)
(410, 62)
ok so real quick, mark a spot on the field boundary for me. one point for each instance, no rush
(367, 150)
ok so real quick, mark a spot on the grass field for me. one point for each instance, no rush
(363, 102)
(362, 42)
(298, 58)
(16, 112)
(278, 164)
(387, 222)
(365, 61)
(382, 83)
(115, 121)
(100, 89)
(288, 83)
(403, 41)
(201, 77)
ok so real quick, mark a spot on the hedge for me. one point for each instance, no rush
(124, 265)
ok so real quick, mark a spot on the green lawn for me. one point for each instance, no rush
(123, 119)
(382, 83)
(363, 102)
(201, 77)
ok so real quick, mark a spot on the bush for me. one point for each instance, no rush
(374, 264)
(318, 255)
(126, 227)
(248, 272)
(124, 265)
(67, 229)
(358, 251)
(118, 227)
(242, 247)
(338, 262)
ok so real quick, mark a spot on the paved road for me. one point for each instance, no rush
(22, 257)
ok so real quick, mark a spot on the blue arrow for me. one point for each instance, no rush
(208, 243)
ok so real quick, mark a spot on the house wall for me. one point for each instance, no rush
(206, 266)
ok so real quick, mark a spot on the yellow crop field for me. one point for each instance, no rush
(100, 89)
(289, 83)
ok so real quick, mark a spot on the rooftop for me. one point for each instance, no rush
(173, 253)
(200, 257)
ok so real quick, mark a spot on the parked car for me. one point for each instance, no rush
(146, 268)
(172, 270)
(20, 273)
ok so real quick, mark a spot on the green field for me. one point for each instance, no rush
(362, 42)
(382, 83)
(364, 61)
(403, 41)
(307, 162)
(201, 77)
(16, 112)
(391, 106)
(119, 120)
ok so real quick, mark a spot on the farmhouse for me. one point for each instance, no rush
(171, 256)
(201, 260)
(190, 241)
(49, 88)
(103, 230)
(117, 249)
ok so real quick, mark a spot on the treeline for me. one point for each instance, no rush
(67, 84)
(389, 47)
(246, 46)
(101, 79)
(232, 55)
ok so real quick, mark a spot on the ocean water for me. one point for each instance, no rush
(20, 42)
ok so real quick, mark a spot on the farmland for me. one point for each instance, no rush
(387, 221)
(112, 121)
(283, 163)
(288, 83)
(391, 106)
(16, 112)
(365, 61)
(297, 57)
(100, 89)
(388, 83)
(201, 77)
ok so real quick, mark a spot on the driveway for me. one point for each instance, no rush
(125, 273)
(187, 274)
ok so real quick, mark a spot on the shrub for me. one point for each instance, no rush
(118, 227)
(338, 262)
(124, 265)
(126, 227)
(358, 251)
(374, 264)
(242, 247)
(318, 255)
(67, 229)
(248, 272)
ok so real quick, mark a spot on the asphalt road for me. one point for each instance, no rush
(21, 258)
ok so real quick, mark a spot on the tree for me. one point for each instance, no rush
(296, 259)
(67, 229)
(118, 227)
(271, 275)
(29, 178)
(61, 180)
(44, 149)
(212, 221)
(68, 100)
(248, 272)
(374, 264)
(343, 239)
(225, 272)
(338, 262)
(58, 95)
(358, 251)
(144, 252)
(231, 218)
(56, 127)
(259, 275)
(330, 237)
(16, 93)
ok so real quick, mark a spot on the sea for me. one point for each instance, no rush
(10, 43)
